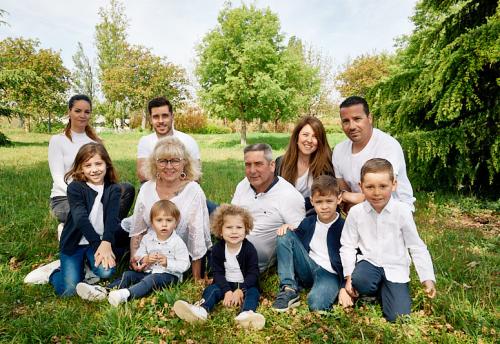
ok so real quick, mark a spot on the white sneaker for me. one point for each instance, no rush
(251, 319)
(59, 231)
(91, 292)
(116, 297)
(41, 274)
(189, 312)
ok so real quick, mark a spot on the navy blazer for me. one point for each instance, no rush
(249, 265)
(81, 199)
(305, 232)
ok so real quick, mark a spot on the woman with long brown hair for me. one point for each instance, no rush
(308, 156)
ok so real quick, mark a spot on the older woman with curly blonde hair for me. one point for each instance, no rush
(172, 174)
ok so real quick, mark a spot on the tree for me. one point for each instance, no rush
(83, 77)
(33, 81)
(246, 72)
(362, 73)
(442, 102)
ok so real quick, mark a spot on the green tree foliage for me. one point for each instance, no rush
(83, 78)
(443, 101)
(246, 72)
(362, 73)
(33, 81)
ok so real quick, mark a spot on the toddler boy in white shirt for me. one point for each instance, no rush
(383, 230)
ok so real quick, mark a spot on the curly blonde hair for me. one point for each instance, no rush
(171, 147)
(230, 209)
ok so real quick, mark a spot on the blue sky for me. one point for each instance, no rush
(338, 28)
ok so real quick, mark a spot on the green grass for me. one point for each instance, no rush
(461, 233)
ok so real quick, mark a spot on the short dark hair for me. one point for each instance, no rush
(377, 165)
(325, 185)
(160, 101)
(355, 100)
(260, 147)
(78, 97)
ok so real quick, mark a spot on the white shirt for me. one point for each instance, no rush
(96, 216)
(232, 267)
(318, 248)
(193, 227)
(279, 205)
(384, 240)
(62, 153)
(381, 145)
(303, 184)
(147, 144)
(173, 248)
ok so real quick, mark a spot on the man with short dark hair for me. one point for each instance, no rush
(271, 200)
(161, 117)
(364, 143)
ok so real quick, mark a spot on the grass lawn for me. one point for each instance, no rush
(462, 234)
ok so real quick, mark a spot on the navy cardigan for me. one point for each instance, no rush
(81, 199)
(247, 259)
(305, 233)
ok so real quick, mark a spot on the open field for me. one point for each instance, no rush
(462, 234)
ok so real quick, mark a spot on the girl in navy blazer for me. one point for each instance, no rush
(89, 232)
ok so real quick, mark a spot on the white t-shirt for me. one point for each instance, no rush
(384, 240)
(303, 184)
(147, 144)
(232, 267)
(318, 248)
(279, 205)
(62, 153)
(381, 145)
(96, 216)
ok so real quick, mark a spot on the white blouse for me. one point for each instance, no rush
(303, 184)
(193, 227)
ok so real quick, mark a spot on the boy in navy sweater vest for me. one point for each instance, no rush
(308, 256)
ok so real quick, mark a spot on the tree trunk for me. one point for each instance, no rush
(243, 140)
(49, 126)
(261, 125)
(143, 120)
(276, 125)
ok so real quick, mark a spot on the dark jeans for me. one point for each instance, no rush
(141, 284)
(60, 205)
(213, 295)
(71, 271)
(370, 280)
(296, 268)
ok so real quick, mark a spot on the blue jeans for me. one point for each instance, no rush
(296, 269)
(213, 295)
(370, 280)
(71, 271)
(140, 284)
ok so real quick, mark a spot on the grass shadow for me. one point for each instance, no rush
(276, 142)
(15, 144)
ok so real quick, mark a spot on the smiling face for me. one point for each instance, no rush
(79, 115)
(94, 170)
(169, 168)
(377, 188)
(307, 141)
(356, 124)
(259, 171)
(325, 206)
(161, 120)
(233, 230)
(163, 225)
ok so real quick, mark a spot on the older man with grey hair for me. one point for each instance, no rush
(271, 200)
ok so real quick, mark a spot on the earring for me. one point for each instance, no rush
(183, 175)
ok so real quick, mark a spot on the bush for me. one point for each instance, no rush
(43, 127)
(211, 128)
(4, 141)
(190, 120)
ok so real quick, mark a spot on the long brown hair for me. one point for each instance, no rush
(86, 152)
(320, 161)
(88, 129)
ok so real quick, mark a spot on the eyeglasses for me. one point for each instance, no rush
(175, 162)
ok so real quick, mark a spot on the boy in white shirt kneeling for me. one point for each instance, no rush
(375, 241)
(162, 254)
(308, 256)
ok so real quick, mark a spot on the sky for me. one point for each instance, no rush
(339, 29)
